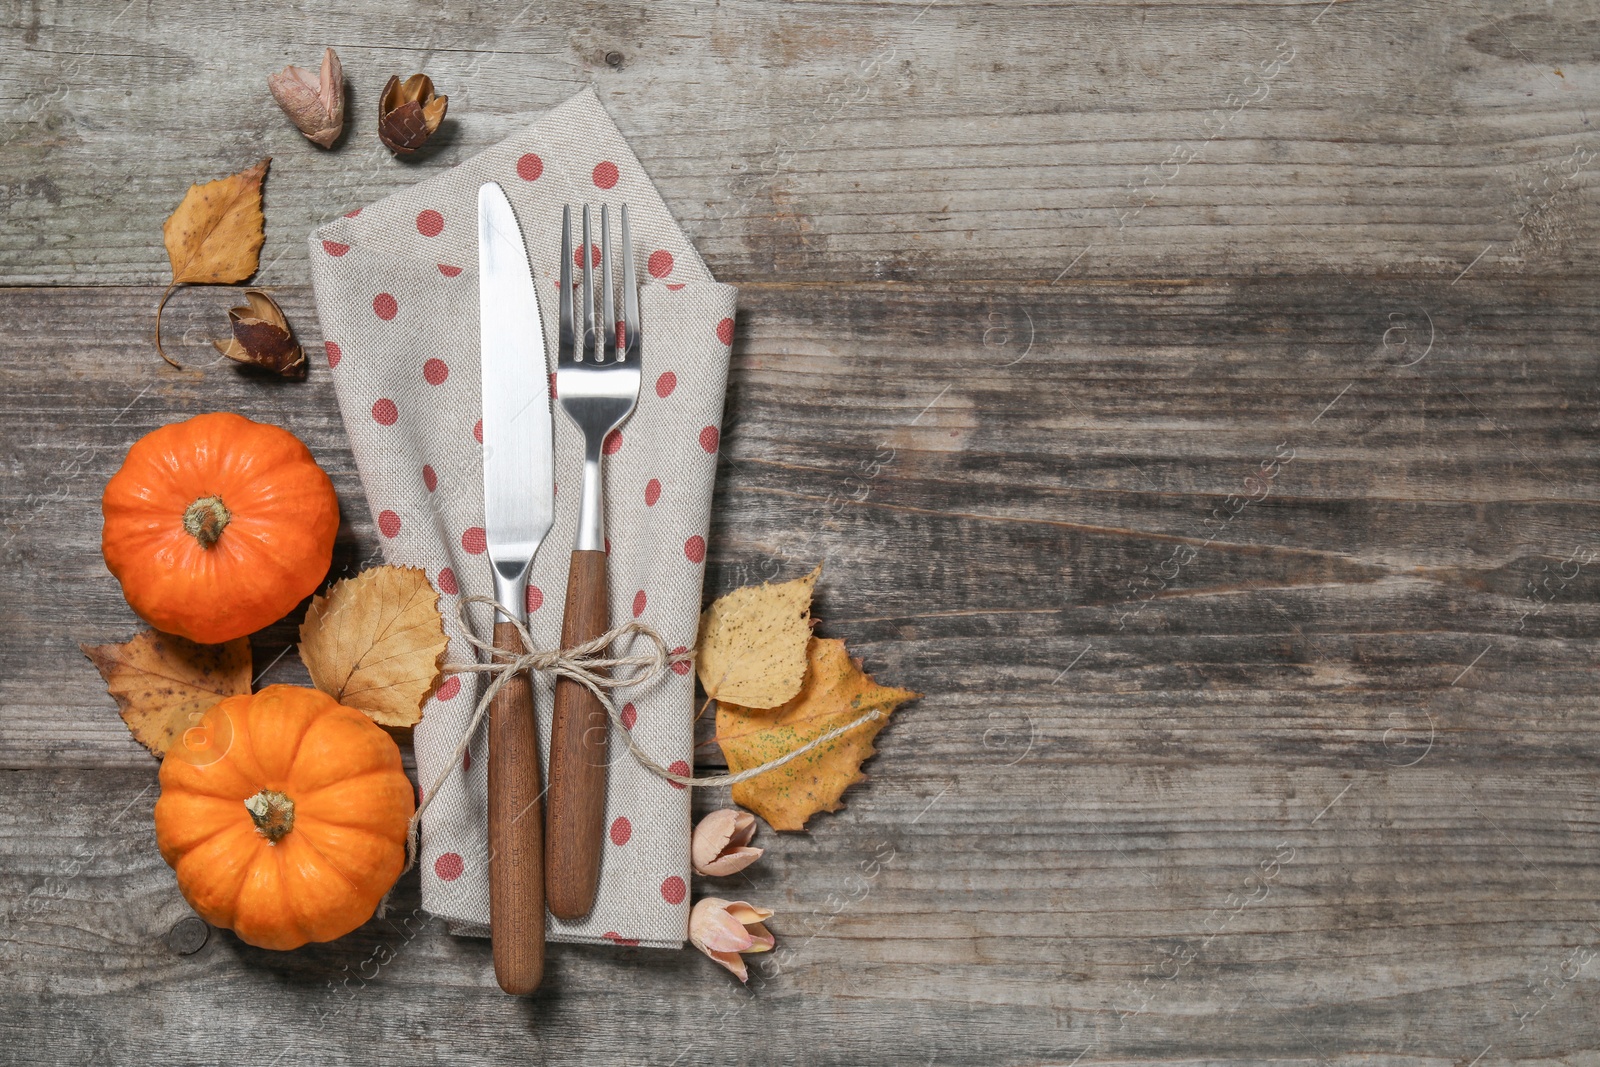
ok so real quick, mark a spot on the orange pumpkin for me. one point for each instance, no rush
(218, 526)
(284, 815)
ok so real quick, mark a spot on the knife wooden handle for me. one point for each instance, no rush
(578, 754)
(516, 830)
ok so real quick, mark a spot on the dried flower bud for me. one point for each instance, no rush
(409, 113)
(262, 338)
(719, 846)
(315, 105)
(724, 929)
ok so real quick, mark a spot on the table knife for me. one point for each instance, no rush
(519, 507)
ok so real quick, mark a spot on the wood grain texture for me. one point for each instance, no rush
(516, 830)
(857, 139)
(579, 732)
(1326, 795)
(1199, 402)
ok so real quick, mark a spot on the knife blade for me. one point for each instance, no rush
(518, 509)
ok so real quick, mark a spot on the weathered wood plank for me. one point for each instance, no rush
(983, 523)
(861, 140)
(1018, 914)
(1327, 796)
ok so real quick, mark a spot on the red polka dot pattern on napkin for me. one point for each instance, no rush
(393, 300)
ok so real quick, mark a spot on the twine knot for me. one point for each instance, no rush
(591, 666)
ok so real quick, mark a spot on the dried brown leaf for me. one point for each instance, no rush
(376, 643)
(752, 644)
(163, 684)
(262, 338)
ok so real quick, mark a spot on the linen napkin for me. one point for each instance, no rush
(397, 293)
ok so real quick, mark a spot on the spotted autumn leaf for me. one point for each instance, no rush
(376, 643)
(836, 692)
(163, 684)
(214, 236)
(752, 644)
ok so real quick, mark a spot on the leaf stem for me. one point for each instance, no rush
(159, 307)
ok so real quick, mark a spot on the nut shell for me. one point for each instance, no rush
(409, 113)
(315, 103)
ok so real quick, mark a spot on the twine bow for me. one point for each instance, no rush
(589, 666)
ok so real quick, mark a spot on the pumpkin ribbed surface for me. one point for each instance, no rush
(284, 815)
(218, 526)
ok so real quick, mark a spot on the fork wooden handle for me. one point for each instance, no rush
(516, 830)
(578, 739)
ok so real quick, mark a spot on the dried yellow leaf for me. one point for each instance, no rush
(752, 645)
(163, 684)
(835, 694)
(215, 234)
(376, 643)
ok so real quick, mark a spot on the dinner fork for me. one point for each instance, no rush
(597, 383)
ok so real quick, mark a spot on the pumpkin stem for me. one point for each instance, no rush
(273, 814)
(205, 520)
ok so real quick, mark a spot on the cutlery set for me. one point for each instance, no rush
(535, 860)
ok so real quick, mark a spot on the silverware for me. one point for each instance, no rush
(597, 382)
(519, 506)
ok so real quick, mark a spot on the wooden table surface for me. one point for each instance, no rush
(1212, 768)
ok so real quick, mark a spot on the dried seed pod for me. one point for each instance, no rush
(721, 843)
(315, 105)
(409, 113)
(727, 929)
(262, 338)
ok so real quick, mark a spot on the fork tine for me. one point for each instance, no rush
(608, 313)
(565, 346)
(588, 289)
(630, 293)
